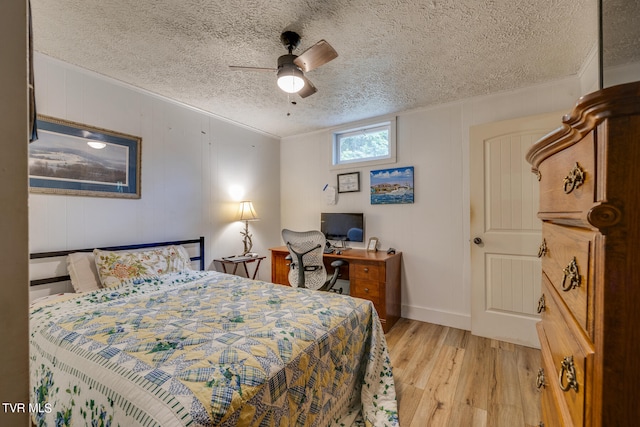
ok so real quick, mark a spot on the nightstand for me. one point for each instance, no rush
(237, 260)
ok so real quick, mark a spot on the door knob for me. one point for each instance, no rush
(477, 240)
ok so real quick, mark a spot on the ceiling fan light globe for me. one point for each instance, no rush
(290, 83)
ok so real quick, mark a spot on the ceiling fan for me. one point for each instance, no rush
(291, 68)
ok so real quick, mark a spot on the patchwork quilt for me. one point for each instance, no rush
(200, 348)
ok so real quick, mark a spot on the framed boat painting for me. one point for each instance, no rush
(392, 186)
(76, 159)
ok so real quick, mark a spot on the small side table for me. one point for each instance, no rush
(237, 260)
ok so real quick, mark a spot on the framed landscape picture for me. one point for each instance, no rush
(392, 186)
(75, 159)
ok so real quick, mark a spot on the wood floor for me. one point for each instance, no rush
(448, 377)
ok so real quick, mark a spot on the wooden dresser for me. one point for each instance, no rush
(589, 171)
(372, 275)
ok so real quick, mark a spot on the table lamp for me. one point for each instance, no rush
(247, 213)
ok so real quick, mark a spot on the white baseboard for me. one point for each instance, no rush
(461, 321)
(439, 317)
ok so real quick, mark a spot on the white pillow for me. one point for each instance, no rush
(83, 272)
(184, 255)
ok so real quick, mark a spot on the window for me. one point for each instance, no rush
(374, 143)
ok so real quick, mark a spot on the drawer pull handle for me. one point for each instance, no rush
(366, 270)
(574, 180)
(542, 250)
(541, 304)
(366, 290)
(568, 370)
(540, 383)
(571, 272)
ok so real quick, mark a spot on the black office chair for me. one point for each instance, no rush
(354, 235)
(307, 269)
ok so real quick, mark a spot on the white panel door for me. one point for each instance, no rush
(505, 230)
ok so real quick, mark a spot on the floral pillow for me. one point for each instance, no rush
(114, 267)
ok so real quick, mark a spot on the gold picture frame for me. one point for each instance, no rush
(372, 245)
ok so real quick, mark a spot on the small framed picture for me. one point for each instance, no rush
(373, 244)
(348, 182)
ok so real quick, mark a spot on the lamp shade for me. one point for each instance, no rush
(246, 212)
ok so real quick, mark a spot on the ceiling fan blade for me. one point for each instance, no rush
(308, 89)
(240, 68)
(317, 55)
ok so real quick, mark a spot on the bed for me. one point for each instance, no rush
(201, 348)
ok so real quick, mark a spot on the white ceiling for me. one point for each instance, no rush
(394, 55)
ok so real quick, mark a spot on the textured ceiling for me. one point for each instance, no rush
(393, 55)
(620, 32)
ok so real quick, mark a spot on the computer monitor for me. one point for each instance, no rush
(346, 227)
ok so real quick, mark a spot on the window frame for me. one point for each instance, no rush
(372, 125)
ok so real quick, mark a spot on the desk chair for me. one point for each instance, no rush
(307, 269)
(354, 235)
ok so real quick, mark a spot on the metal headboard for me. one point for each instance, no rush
(40, 255)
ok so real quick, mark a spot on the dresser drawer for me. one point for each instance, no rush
(570, 358)
(554, 409)
(367, 281)
(367, 272)
(367, 289)
(560, 188)
(567, 264)
(550, 413)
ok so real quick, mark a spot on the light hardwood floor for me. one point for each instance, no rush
(446, 377)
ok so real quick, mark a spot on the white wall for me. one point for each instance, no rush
(190, 162)
(612, 76)
(622, 74)
(432, 233)
(589, 74)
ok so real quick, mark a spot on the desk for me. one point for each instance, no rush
(235, 261)
(372, 275)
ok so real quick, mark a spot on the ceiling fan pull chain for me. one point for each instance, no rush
(290, 102)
